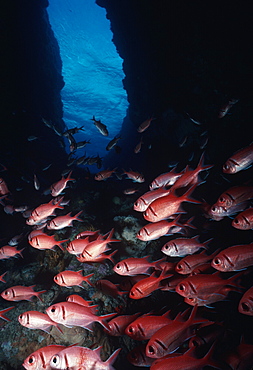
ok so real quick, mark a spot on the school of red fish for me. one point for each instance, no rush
(197, 275)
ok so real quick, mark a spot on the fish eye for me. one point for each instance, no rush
(118, 266)
(181, 287)
(132, 293)
(236, 221)
(55, 359)
(216, 261)
(179, 267)
(31, 359)
(222, 199)
(214, 209)
(53, 309)
(245, 307)
(151, 349)
(20, 316)
(131, 329)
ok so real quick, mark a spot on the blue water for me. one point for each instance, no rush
(92, 72)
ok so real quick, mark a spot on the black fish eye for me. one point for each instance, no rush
(20, 316)
(53, 309)
(31, 359)
(236, 221)
(131, 330)
(216, 261)
(118, 266)
(179, 267)
(245, 307)
(222, 199)
(54, 360)
(181, 287)
(151, 349)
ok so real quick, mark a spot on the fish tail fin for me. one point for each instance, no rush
(39, 293)
(59, 243)
(201, 166)
(5, 310)
(77, 218)
(109, 256)
(20, 252)
(109, 362)
(187, 194)
(86, 278)
(102, 319)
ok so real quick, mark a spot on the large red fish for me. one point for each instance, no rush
(197, 285)
(244, 221)
(240, 160)
(167, 339)
(60, 222)
(82, 358)
(234, 196)
(8, 251)
(142, 203)
(73, 314)
(187, 264)
(155, 230)
(43, 211)
(180, 247)
(36, 320)
(103, 175)
(145, 326)
(145, 287)
(167, 206)
(234, 258)
(135, 176)
(40, 359)
(44, 241)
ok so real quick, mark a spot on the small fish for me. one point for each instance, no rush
(226, 107)
(73, 131)
(130, 191)
(146, 286)
(3, 187)
(134, 266)
(135, 176)
(43, 211)
(61, 222)
(2, 312)
(36, 320)
(137, 149)
(240, 160)
(82, 144)
(180, 247)
(155, 230)
(69, 278)
(58, 187)
(40, 359)
(36, 182)
(44, 241)
(234, 196)
(113, 142)
(187, 264)
(80, 300)
(145, 124)
(100, 126)
(103, 175)
(20, 292)
(8, 251)
(32, 138)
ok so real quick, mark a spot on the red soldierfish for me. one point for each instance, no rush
(135, 266)
(2, 312)
(44, 241)
(167, 339)
(82, 358)
(217, 213)
(145, 326)
(190, 177)
(135, 176)
(244, 221)
(36, 320)
(197, 285)
(118, 324)
(43, 211)
(145, 287)
(60, 222)
(155, 230)
(73, 314)
(234, 196)
(246, 303)
(145, 124)
(58, 187)
(20, 292)
(180, 247)
(103, 175)
(100, 126)
(69, 278)
(187, 264)
(167, 206)
(7, 252)
(40, 359)
(234, 258)
(165, 179)
(142, 203)
(80, 300)
(186, 361)
(240, 160)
